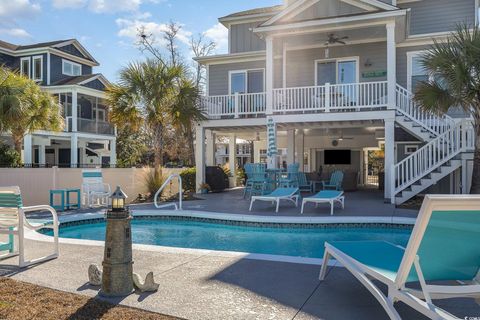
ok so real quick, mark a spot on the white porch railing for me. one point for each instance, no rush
(436, 124)
(446, 146)
(331, 98)
(234, 105)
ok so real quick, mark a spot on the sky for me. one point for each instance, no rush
(107, 28)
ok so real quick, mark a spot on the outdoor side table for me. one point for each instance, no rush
(73, 205)
(61, 206)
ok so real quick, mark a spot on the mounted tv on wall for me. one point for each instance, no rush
(338, 157)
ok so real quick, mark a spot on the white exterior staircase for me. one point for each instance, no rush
(446, 141)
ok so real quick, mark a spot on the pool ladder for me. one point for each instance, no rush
(180, 193)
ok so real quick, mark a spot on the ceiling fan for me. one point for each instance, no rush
(332, 39)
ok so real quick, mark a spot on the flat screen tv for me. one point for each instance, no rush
(338, 157)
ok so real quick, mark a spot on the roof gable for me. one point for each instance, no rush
(312, 9)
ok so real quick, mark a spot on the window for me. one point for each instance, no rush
(339, 71)
(70, 68)
(37, 68)
(416, 72)
(25, 67)
(247, 81)
(409, 149)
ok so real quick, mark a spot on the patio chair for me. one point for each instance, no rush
(256, 179)
(303, 183)
(290, 180)
(94, 190)
(442, 256)
(290, 194)
(335, 182)
(326, 196)
(13, 221)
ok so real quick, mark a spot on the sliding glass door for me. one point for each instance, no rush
(343, 73)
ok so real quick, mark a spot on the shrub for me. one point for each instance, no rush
(189, 179)
(154, 180)
(8, 156)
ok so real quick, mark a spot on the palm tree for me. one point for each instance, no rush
(153, 95)
(454, 67)
(24, 108)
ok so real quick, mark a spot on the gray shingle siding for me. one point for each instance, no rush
(429, 16)
(243, 39)
(218, 76)
(402, 62)
(327, 8)
(9, 61)
(95, 84)
(56, 68)
(71, 49)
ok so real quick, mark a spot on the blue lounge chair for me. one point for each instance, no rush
(444, 247)
(290, 194)
(336, 180)
(326, 196)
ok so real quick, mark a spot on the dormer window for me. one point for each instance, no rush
(71, 69)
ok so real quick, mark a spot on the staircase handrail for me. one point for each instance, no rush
(180, 193)
(436, 124)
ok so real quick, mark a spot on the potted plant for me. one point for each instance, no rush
(204, 188)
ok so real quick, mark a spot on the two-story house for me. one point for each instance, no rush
(64, 68)
(331, 80)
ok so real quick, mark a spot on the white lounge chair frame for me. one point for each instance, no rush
(94, 190)
(420, 300)
(339, 199)
(293, 197)
(13, 221)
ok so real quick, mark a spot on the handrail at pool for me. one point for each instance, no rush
(180, 193)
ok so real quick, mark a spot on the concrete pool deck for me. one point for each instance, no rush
(214, 285)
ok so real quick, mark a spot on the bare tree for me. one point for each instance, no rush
(201, 47)
(147, 42)
(170, 35)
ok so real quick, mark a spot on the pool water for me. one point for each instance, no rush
(289, 241)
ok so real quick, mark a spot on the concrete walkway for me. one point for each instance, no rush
(215, 285)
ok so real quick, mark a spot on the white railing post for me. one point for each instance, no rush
(236, 103)
(327, 97)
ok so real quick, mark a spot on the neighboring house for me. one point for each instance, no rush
(64, 68)
(242, 153)
(333, 78)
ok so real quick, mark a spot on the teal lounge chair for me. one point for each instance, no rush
(290, 194)
(444, 247)
(326, 196)
(336, 180)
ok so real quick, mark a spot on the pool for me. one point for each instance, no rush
(298, 240)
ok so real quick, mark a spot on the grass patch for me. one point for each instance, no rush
(20, 300)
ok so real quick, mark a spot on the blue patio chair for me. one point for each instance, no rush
(303, 183)
(256, 179)
(290, 180)
(442, 258)
(336, 180)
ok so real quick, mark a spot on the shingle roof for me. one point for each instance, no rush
(74, 80)
(271, 9)
(15, 47)
(8, 45)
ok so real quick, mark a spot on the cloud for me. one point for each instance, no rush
(63, 4)
(15, 32)
(129, 29)
(218, 34)
(11, 10)
(104, 6)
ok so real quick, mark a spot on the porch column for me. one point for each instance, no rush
(200, 156)
(27, 149)
(362, 165)
(74, 110)
(291, 146)
(113, 152)
(390, 159)
(391, 65)
(232, 154)
(74, 151)
(210, 158)
(41, 154)
(269, 75)
(300, 149)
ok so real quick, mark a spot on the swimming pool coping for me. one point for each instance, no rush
(33, 235)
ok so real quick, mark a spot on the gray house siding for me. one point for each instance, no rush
(402, 62)
(327, 8)
(243, 39)
(95, 84)
(301, 64)
(9, 61)
(71, 49)
(429, 16)
(56, 68)
(218, 76)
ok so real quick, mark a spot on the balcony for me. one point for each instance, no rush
(354, 97)
(91, 126)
